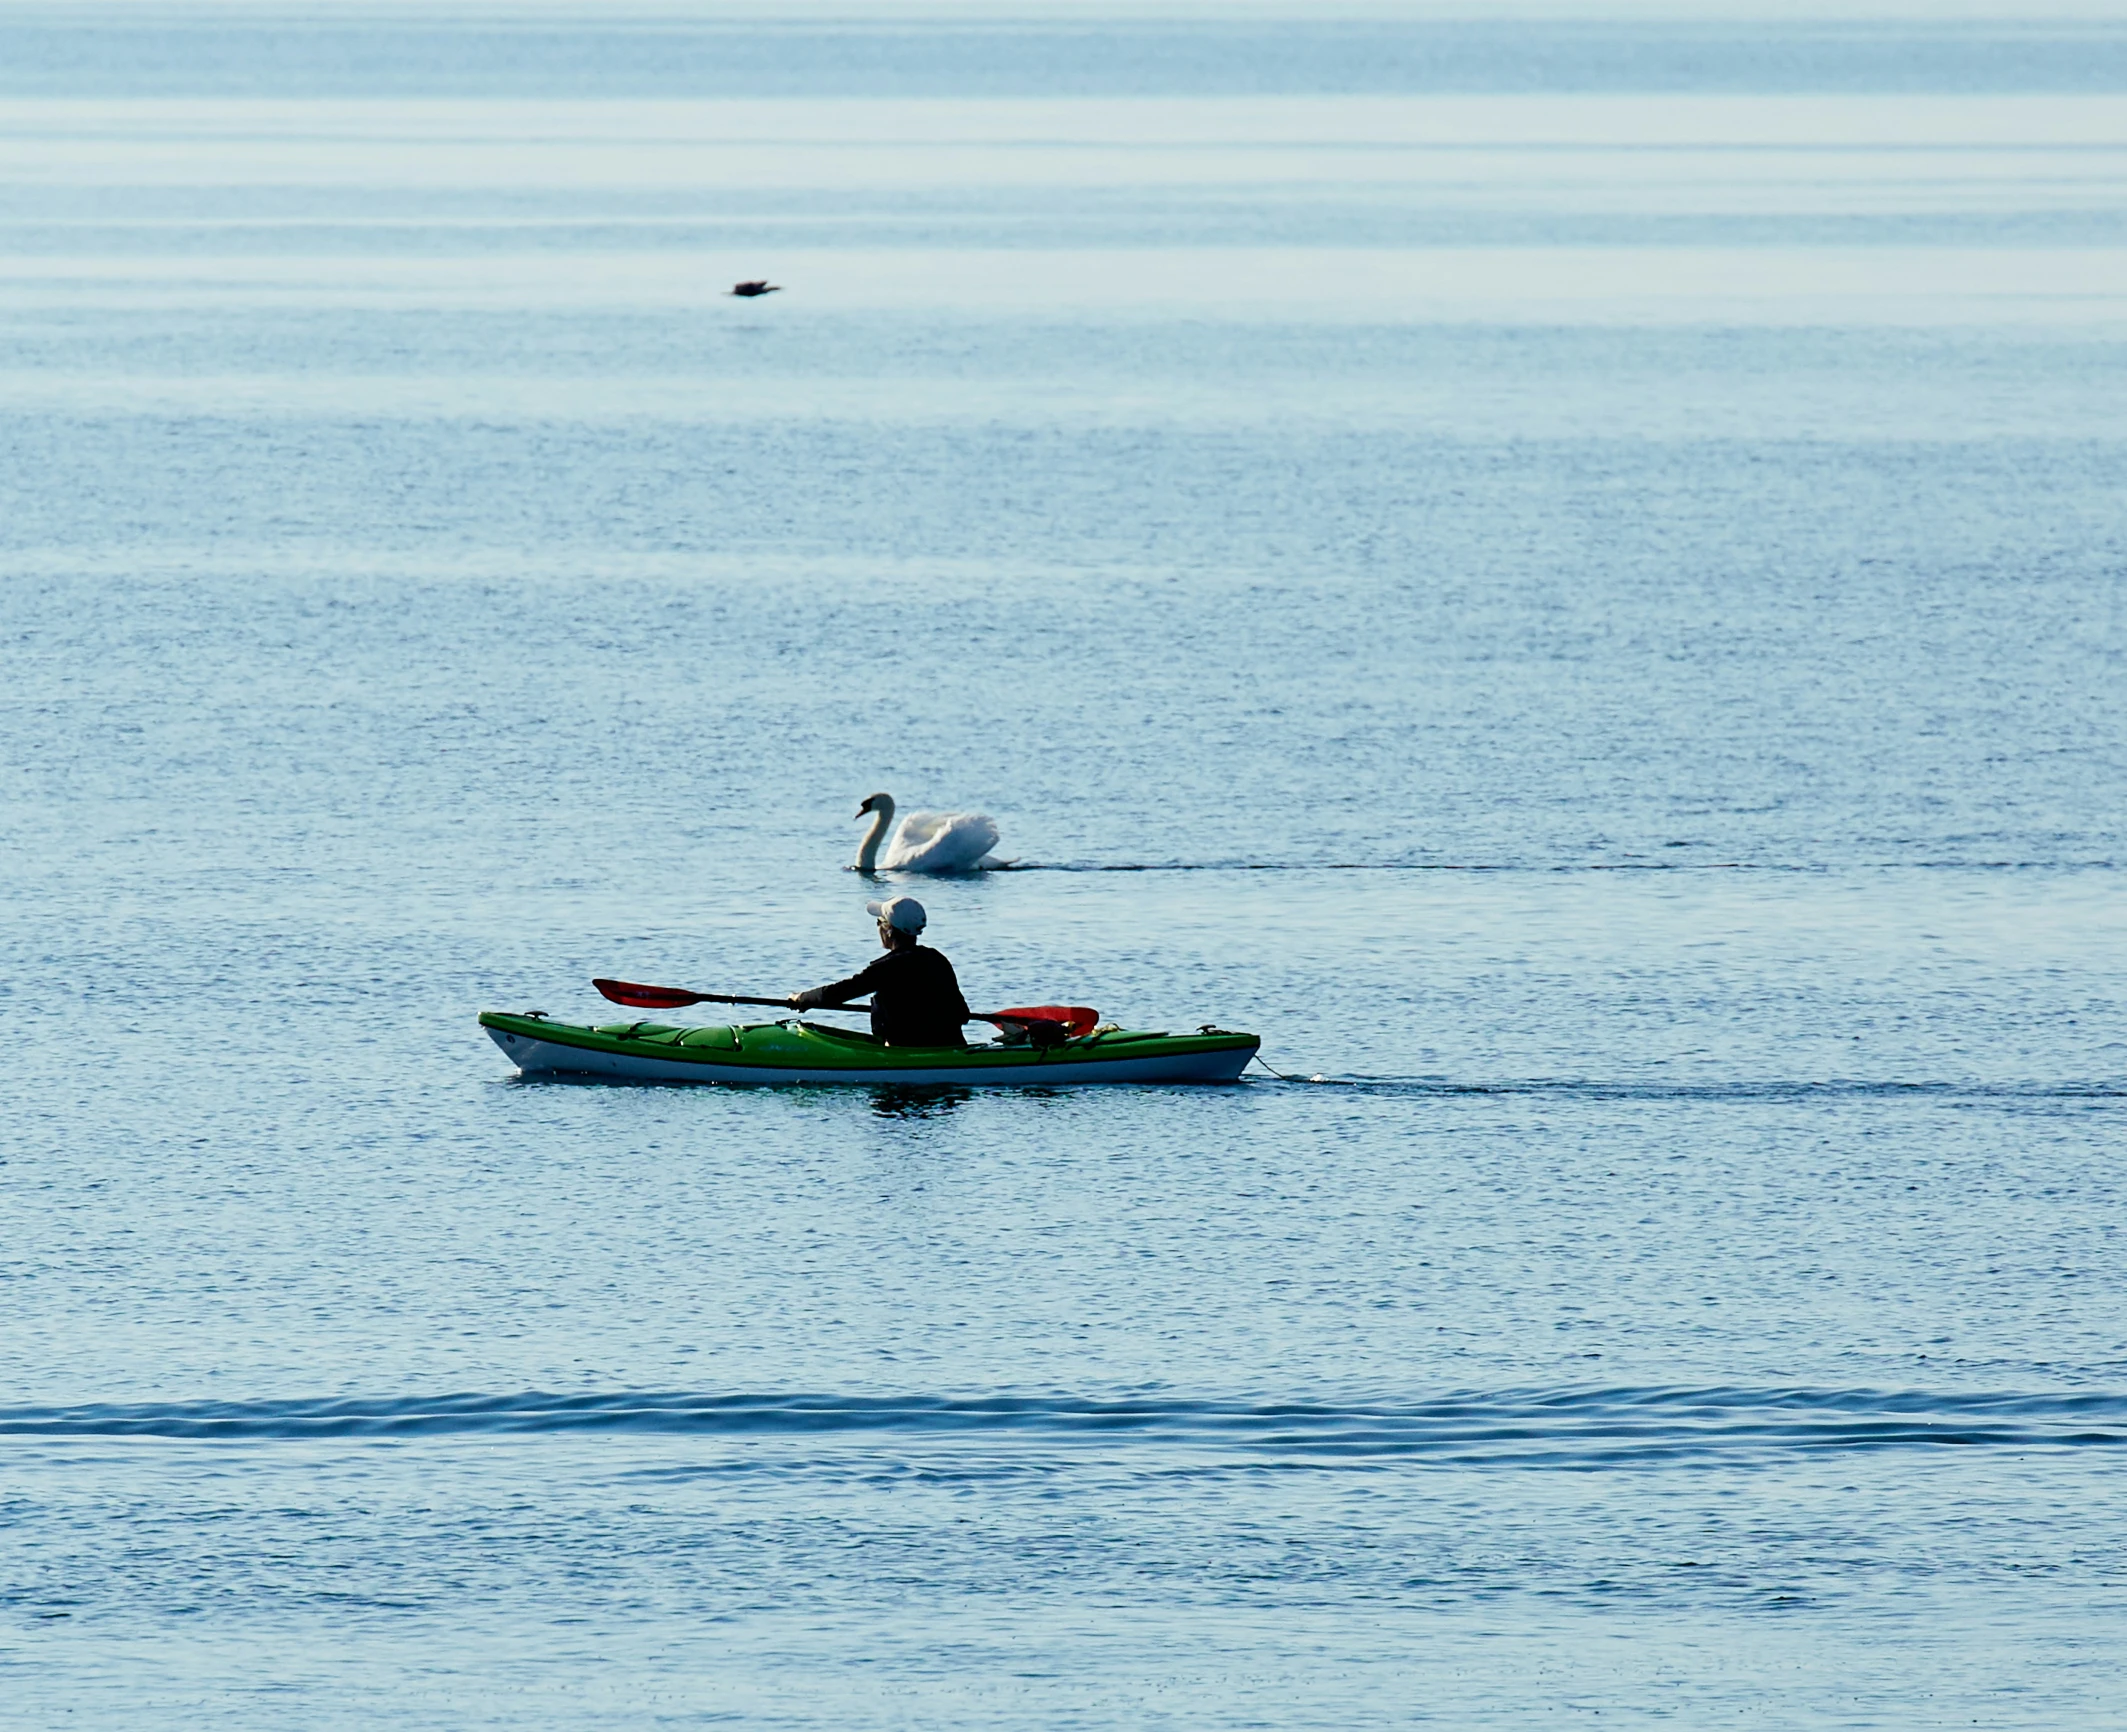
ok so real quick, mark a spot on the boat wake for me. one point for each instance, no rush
(1568, 1428)
(1801, 1093)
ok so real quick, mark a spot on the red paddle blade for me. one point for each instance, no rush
(1077, 1019)
(646, 997)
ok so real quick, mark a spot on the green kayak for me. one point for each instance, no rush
(808, 1052)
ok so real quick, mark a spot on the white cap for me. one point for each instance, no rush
(902, 913)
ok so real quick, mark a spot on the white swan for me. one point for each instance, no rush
(927, 842)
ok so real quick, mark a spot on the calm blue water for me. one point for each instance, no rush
(1568, 574)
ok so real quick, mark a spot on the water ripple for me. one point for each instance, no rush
(1561, 1427)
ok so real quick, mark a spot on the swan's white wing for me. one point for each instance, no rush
(920, 829)
(940, 842)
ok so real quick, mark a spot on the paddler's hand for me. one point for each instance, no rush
(806, 1000)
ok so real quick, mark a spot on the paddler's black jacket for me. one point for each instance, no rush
(915, 998)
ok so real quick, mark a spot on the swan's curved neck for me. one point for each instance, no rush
(882, 816)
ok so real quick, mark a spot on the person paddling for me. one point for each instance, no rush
(915, 997)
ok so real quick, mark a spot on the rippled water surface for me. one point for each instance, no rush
(1569, 575)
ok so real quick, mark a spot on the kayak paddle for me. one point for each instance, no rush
(674, 997)
(1074, 1019)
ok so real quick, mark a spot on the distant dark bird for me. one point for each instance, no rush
(759, 286)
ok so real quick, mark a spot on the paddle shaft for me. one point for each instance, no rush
(777, 1003)
(676, 998)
